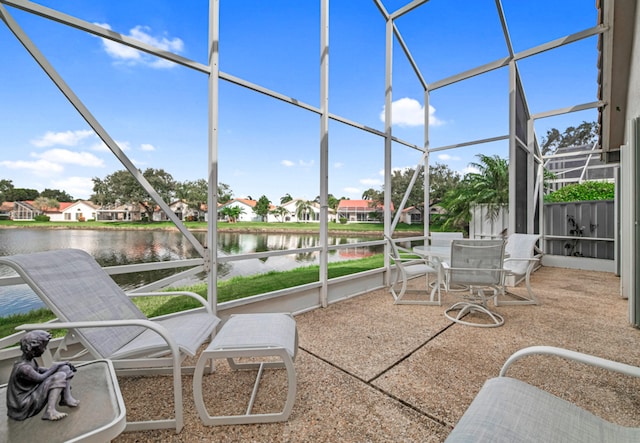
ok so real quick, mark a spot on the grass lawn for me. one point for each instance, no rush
(223, 226)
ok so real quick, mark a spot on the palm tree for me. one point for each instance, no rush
(285, 198)
(280, 212)
(491, 183)
(303, 208)
(490, 186)
(232, 213)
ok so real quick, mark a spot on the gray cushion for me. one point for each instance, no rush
(511, 411)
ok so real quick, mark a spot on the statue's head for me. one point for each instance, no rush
(35, 342)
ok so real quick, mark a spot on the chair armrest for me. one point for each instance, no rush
(156, 327)
(571, 355)
(412, 260)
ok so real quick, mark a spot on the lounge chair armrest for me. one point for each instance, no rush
(571, 355)
(193, 295)
(156, 327)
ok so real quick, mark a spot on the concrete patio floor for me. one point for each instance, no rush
(371, 371)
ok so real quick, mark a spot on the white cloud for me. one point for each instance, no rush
(67, 138)
(102, 147)
(446, 157)
(147, 147)
(289, 163)
(39, 167)
(70, 157)
(338, 165)
(371, 182)
(409, 112)
(126, 54)
(78, 187)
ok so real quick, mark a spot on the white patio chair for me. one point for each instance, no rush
(478, 265)
(511, 410)
(444, 238)
(521, 256)
(408, 268)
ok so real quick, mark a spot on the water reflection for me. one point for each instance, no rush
(120, 247)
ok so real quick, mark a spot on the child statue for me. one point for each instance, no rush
(32, 388)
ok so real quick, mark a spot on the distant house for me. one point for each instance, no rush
(182, 210)
(6, 209)
(80, 210)
(360, 211)
(247, 214)
(67, 211)
(411, 215)
(127, 212)
(23, 211)
(312, 214)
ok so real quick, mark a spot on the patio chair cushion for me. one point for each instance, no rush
(510, 410)
(189, 332)
(520, 252)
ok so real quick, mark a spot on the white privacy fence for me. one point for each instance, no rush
(571, 229)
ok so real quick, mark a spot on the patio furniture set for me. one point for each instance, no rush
(107, 334)
(468, 266)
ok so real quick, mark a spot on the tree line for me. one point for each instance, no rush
(454, 193)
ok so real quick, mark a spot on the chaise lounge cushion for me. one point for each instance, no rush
(509, 410)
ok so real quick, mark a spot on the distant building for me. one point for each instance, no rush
(127, 212)
(360, 211)
(411, 216)
(247, 206)
(6, 209)
(312, 215)
(80, 210)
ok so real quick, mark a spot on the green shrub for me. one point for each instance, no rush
(343, 220)
(42, 218)
(587, 191)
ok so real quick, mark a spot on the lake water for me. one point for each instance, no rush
(120, 247)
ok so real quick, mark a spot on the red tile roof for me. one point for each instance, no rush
(358, 204)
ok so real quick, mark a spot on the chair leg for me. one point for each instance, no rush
(530, 300)
(466, 307)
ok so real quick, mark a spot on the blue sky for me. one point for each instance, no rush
(157, 112)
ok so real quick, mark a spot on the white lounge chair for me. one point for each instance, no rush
(476, 264)
(521, 258)
(511, 410)
(408, 268)
(110, 326)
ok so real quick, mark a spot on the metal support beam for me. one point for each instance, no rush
(324, 151)
(212, 197)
